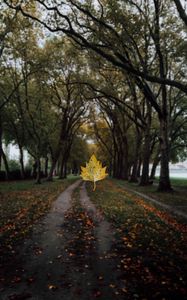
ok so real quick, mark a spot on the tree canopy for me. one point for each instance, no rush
(117, 66)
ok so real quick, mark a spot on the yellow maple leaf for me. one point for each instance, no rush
(93, 171)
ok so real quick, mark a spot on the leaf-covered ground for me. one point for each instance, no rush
(63, 259)
(151, 245)
(22, 203)
(176, 199)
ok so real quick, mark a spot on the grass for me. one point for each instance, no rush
(176, 182)
(175, 199)
(22, 203)
(23, 185)
(179, 182)
(151, 244)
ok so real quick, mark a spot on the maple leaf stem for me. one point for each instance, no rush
(94, 186)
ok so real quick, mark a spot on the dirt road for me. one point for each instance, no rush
(67, 257)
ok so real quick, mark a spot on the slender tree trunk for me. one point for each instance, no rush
(2, 153)
(65, 170)
(34, 172)
(38, 178)
(66, 152)
(114, 164)
(125, 163)
(146, 150)
(134, 174)
(146, 157)
(52, 168)
(1, 141)
(119, 165)
(164, 181)
(5, 164)
(110, 169)
(21, 159)
(46, 166)
(139, 167)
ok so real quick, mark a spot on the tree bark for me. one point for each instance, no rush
(2, 153)
(1, 141)
(146, 149)
(66, 153)
(139, 167)
(34, 171)
(164, 181)
(134, 174)
(52, 168)
(38, 178)
(21, 159)
(155, 164)
(46, 166)
(62, 165)
(125, 163)
(181, 11)
(5, 164)
(146, 157)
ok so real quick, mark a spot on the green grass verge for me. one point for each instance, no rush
(176, 199)
(176, 182)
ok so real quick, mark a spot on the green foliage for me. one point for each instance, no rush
(14, 165)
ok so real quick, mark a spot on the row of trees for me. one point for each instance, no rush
(119, 63)
(40, 110)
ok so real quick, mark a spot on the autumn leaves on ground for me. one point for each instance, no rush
(107, 244)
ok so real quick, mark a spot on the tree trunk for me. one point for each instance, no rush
(114, 164)
(65, 170)
(119, 165)
(34, 171)
(38, 178)
(21, 159)
(51, 171)
(46, 166)
(110, 169)
(66, 152)
(146, 157)
(139, 167)
(134, 174)
(164, 180)
(1, 141)
(7, 171)
(125, 163)
(155, 164)
(75, 168)
(146, 149)
(62, 165)
(55, 158)
(2, 154)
